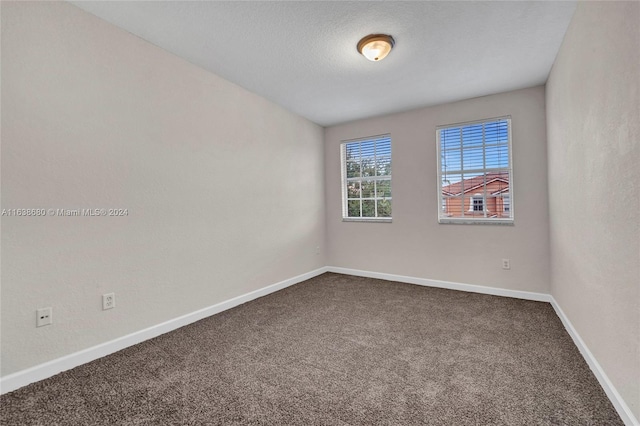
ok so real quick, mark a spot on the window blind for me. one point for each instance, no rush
(366, 171)
(475, 172)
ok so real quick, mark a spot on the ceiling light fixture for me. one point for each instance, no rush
(376, 47)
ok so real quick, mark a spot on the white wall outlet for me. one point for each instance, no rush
(44, 316)
(506, 264)
(317, 249)
(108, 301)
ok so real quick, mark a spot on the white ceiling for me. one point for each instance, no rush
(302, 55)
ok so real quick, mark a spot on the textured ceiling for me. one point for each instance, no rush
(302, 55)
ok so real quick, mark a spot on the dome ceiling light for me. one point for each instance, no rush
(375, 47)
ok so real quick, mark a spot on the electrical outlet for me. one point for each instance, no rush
(318, 250)
(506, 264)
(108, 301)
(44, 316)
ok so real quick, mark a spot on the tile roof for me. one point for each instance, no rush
(474, 182)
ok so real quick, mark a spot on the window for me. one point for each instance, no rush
(505, 204)
(366, 179)
(477, 203)
(475, 175)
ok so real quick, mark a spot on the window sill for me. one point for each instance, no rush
(467, 221)
(367, 219)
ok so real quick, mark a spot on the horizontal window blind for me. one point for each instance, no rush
(475, 172)
(366, 178)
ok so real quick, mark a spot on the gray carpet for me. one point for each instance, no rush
(337, 350)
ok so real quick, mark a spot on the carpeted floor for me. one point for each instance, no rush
(337, 350)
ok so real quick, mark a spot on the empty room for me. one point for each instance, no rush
(320, 213)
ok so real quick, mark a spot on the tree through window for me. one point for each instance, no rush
(366, 178)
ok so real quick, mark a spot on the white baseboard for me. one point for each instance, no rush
(621, 407)
(51, 368)
(516, 294)
(40, 372)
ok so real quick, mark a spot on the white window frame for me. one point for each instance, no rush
(442, 217)
(477, 200)
(344, 180)
(506, 206)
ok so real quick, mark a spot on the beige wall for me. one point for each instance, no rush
(593, 115)
(414, 244)
(223, 188)
(95, 117)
